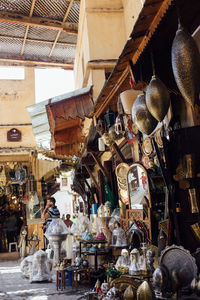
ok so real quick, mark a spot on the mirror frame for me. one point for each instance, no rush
(145, 171)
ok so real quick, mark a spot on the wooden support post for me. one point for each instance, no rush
(119, 153)
(89, 188)
(100, 166)
(92, 176)
(102, 188)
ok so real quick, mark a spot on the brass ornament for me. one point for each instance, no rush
(158, 138)
(186, 65)
(147, 146)
(129, 293)
(196, 229)
(141, 116)
(193, 201)
(157, 98)
(144, 292)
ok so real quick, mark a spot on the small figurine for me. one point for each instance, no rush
(150, 260)
(123, 262)
(134, 268)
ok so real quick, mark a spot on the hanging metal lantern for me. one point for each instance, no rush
(100, 127)
(119, 127)
(110, 118)
(120, 107)
(21, 175)
(157, 98)
(141, 116)
(186, 65)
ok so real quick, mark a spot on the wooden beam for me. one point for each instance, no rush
(70, 28)
(59, 32)
(27, 28)
(36, 41)
(9, 60)
(119, 153)
(92, 176)
(102, 188)
(154, 24)
(100, 166)
(112, 92)
(89, 188)
(97, 65)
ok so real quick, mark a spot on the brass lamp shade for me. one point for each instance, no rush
(157, 98)
(186, 65)
(141, 116)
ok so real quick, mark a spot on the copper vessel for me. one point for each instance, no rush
(141, 116)
(157, 98)
(186, 65)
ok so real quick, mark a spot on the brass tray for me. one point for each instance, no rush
(177, 258)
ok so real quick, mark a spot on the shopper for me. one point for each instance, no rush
(67, 221)
(50, 212)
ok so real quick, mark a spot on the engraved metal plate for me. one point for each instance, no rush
(180, 259)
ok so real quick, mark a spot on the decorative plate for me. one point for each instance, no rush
(122, 170)
(147, 146)
(177, 258)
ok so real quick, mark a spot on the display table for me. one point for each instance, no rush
(94, 253)
(61, 280)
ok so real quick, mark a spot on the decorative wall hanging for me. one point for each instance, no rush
(144, 121)
(147, 146)
(186, 65)
(121, 174)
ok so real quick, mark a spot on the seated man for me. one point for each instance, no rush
(50, 212)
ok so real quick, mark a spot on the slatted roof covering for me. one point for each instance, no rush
(38, 32)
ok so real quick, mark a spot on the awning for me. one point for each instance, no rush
(39, 119)
(153, 32)
(66, 118)
(151, 15)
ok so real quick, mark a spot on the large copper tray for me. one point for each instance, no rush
(180, 259)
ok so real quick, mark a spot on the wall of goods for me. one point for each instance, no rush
(21, 201)
(152, 225)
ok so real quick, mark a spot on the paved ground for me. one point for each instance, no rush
(14, 286)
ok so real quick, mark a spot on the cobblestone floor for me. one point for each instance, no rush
(14, 286)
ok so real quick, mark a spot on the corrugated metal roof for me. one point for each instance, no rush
(38, 32)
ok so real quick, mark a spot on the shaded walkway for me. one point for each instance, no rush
(14, 286)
